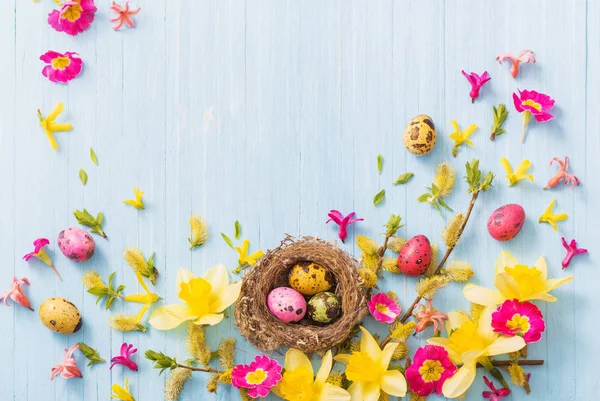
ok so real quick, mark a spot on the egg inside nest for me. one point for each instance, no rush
(309, 278)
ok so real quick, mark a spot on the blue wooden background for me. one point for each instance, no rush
(272, 113)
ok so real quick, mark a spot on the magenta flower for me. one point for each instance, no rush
(562, 174)
(526, 56)
(495, 394)
(383, 308)
(427, 315)
(61, 67)
(68, 367)
(572, 250)
(126, 351)
(342, 222)
(430, 369)
(123, 16)
(533, 103)
(16, 293)
(259, 377)
(74, 16)
(40, 253)
(476, 82)
(519, 318)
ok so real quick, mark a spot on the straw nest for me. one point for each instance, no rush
(264, 331)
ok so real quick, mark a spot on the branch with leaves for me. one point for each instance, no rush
(93, 282)
(85, 218)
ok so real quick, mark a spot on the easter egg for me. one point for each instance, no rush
(506, 222)
(76, 244)
(287, 304)
(324, 307)
(60, 315)
(420, 135)
(310, 278)
(415, 256)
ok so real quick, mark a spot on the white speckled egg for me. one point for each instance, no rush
(287, 304)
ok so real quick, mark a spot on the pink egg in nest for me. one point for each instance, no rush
(76, 244)
(287, 304)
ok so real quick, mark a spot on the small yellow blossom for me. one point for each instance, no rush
(148, 298)
(137, 203)
(551, 218)
(121, 393)
(518, 174)
(50, 126)
(459, 137)
(245, 259)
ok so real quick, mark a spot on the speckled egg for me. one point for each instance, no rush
(324, 308)
(310, 278)
(60, 315)
(420, 135)
(506, 222)
(415, 256)
(287, 304)
(76, 244)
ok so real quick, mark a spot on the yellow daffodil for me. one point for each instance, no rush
(517, 175)
(459, 137)
(367, 369)
(470, 342)
(147, 298)
(121, 393)
(246, 259)
(50, 126)
(137, 203)
(551, 218)
(205, 299)
(516, 281)
(300, 384)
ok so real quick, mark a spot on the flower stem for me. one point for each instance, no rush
(195, 369)
(487, 363)
(526, 118)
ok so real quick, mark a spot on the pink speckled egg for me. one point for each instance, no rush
(506, 222)
(415, 256)
(76, 244)
(287, 304)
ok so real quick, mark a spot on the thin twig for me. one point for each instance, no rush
(195, 369)
(524, 362)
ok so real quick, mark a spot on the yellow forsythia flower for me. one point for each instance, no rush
(121, 393)
(245, 259)
(137, 203)
(517, 175)
(50, 126)
(147, 298)
(199, 231)
(459, 137)
(551, 218)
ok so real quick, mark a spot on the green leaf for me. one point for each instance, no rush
(500, 114)
(83, 176)
(86, 219)
(379, 197)
(435, 191)
(161, 361)
(444, 205)
(99, 291)
(90, 353)
(379, 163)
(238, 230)
(111, 277)
(403, 178)
(93, 156)
(110, 301)
(424, 197)
(393, 225)
(227, 240)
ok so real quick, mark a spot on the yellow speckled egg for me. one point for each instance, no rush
(420, 135)
(60, 315)
(310, 278)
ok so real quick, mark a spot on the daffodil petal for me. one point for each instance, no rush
(333, 393)
(482, 295)
(504, 345)
(170, 316)
(541, 265)
(209, 320)
(455, 320)
(484, 326)
(218, 277)
(445, 343)
(371, 392)
(504, 260)
(394, 383)
(324, 369)
(356, 391)
(368, 344)
(508, 286)
(557, 282)
(295, 358)
(183, 276)
(388, 352)
(460, 382)
(542, 296)
(342, 358)
(226, 297)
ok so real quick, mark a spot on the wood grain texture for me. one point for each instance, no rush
(272, 112)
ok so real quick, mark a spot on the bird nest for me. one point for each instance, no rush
(267, 333)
